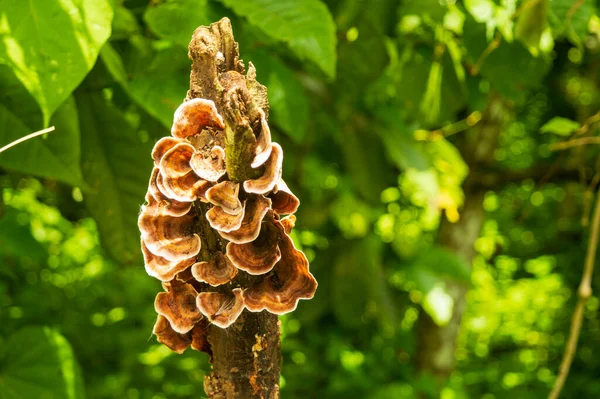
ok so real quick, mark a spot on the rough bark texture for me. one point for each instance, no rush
(246, 357)
(436, 346)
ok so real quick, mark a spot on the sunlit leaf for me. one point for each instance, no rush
(305, 25)
(38, 362)
(531, 23)
(560, 126)
(51, 56)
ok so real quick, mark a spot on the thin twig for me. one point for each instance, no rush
(574, 143)
(583, 292)
(493, 45)
(29, 136)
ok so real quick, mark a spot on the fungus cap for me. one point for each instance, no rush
(217, 271)
(161, 268)
(178, 305)
(222, 221)
(169, 236)
(284, 202)
(225, 195)
(289, 281)
(254, 212)
(165, 334)
(209, 167)
(271, 174)
(263, 142)
(258, 256)
(194, 115)
(221, 309)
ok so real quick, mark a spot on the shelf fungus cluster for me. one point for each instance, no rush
(219, 246)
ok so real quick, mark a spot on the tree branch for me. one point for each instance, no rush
(584, 292)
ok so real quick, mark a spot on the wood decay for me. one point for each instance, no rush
(213, 228)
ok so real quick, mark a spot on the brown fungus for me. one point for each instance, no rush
(166, 335)
(179, 307)
(194, 115)
(284, 202)
(289, 281)
(162, 146)
(176, 162)
(223, 221)
(258, 256)
(221, 309)
(209, 167)
(217, 271)
(255, 211)
(225, 195)
(186, 188)
(169, 237)
(263, 142)
(161, 268)
(271, 174)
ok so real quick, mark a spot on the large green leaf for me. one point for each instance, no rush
(56, 156)
(170, 68)
(52, 44)
(177, 20)
(38, 362)
(305, 25)
(117, 166)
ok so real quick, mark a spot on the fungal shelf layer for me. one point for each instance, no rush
(251, 262)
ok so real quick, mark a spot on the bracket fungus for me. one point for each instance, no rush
(212, 229)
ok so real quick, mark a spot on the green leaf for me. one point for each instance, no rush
(55, 156)
(508, 59)
(288, 102)
(560, 126)
(117, 166)
(305, 25)
(52, 44)
(16, 239)
(38, 362)
(161, 88)
(114, 64)
(570, 18)
(532, 22)
(177, 20)
(360, 291)
(441, 263)
(428, 9)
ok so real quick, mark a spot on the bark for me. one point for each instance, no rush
(246, 357)
(437, 343)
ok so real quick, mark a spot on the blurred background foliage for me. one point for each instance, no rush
(444, 216)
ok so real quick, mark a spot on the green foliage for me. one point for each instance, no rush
(384, 110)
(114, 164)
(52, 57)
(38, 362)
(560, 126)
(305, 25)
(56, 156)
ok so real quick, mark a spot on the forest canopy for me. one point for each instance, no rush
(445, 153)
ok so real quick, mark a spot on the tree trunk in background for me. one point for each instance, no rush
(245, 357)
(435, 351)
